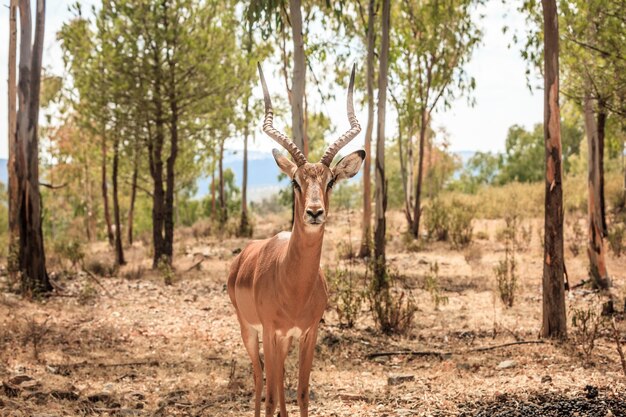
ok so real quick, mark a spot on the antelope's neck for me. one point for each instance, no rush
(304, 251)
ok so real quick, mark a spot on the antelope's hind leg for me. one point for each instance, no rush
(251, 341)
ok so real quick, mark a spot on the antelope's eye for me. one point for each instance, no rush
(295, 184)
(331, 183)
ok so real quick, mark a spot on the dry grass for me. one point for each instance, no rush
(154, 349)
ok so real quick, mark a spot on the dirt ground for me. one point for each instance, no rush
(139, 347)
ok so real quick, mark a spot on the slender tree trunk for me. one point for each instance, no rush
(14, 186)
(381, 184)
(89, 223)
(32, 260)
(595, 244)
(158, 194)
(554, 317)
(366, 230)
(299, 74)
(244, 227)
(119, 249)
(105, 192)
(222, 197)
(417, 207)
(133, 196)
(405, 178)
(213, 197)
(601, 126)
(170, 181)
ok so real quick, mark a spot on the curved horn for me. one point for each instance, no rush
(268, 126)
(355, 127)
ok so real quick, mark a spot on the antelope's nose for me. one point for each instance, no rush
(315, 212)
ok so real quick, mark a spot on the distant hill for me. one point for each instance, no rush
(262, 173)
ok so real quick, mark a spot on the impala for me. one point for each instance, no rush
(276, 285)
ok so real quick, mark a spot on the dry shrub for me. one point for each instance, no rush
(100, 268)
(34, 333)
(575, 241)
(432, 286)
(133, 272)
(481, 235)
(347, 293)
(587, 323)
(87, 294)
(450, 222)
(393, 308)
(473, 254)
(165, 269)
(71, 251)
(506, 277)
(345, 250)
(202, 228)
(616, 239)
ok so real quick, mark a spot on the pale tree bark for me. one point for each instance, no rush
(244, 226)
(31, 255)
(366, 230)
(119, 249)
(104, 187)
(221, 194)
(133, 194)
(299, 74)
(554, 317)
(417, 205)
(12, 140)
(596, 249)
(381, 184)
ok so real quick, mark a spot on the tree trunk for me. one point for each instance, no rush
(133, 196)
(601, 126)
(366, 233)
(417, 207)
(105, 192)
(381, 184)
(119, 249)
(244, 227)
(299, 74)
(222, 197)
(14, 187)
(213, 197)
(170, 181)
(554, 317)
(31, 255)
(595, 243)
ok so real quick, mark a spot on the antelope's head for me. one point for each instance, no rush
(313, 182)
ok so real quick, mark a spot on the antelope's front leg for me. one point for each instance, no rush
(307, 349)
(270, 352)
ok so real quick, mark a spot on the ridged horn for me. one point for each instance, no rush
(355, 127)
(268, 126)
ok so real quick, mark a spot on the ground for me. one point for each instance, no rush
(130, 345)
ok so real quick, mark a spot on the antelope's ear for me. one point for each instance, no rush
(285, 165)
(349, 165)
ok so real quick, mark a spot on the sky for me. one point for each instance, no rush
(502, 97)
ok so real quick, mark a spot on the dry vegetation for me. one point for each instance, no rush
(129, 344)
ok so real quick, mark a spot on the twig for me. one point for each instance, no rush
(581, 283)
(52, 187)
(442, 355)
(520, 342)
(97, 281)
(618, 344)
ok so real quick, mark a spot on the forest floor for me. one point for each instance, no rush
(130, 345)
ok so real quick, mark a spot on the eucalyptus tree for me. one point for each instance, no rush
(380, 266)
(432, 42)
(24, 172)
(554, 316)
